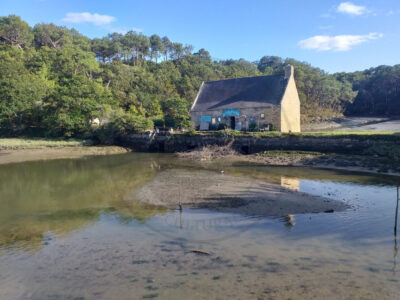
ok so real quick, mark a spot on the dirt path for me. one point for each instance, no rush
(352, 123)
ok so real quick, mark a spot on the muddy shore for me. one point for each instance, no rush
(348, 162)
(22, 155)
(181, 188)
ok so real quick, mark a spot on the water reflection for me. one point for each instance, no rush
(90, 238)
(290, 183)
(290, 221)
(67, 195)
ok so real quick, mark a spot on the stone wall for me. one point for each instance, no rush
(250, 144)
(271, 115)
(290, 113)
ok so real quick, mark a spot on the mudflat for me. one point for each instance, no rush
(224, 192)
(21, 155)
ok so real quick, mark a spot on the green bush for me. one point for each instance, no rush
(272, 128)
(170, 122)
(253, 127)
(122, 123)
(129, 123)
(221, 126)
(158, 122)
(191, 132)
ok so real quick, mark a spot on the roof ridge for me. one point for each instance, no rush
(246, 77)
(243, 92)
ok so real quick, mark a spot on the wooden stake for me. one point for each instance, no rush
(397, 212)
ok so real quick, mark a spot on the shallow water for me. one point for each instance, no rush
(73, 229)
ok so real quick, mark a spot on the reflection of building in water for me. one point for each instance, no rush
(290, 183)
(289, 221)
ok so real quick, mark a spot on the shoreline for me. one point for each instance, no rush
(23, 150)
(9, 156)
(319, 161)
(329, 161)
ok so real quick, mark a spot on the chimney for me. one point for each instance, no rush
(289, 71)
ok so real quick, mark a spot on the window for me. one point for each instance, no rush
(262, 116)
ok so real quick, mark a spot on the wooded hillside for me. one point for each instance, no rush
(57, 82)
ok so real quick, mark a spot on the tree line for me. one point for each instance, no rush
(56, 82)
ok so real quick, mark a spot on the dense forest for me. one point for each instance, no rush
(56, 82)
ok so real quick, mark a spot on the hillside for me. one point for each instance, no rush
(57, 82)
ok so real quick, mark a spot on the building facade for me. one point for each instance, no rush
(261, 102)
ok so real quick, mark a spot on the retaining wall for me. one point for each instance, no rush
(250, 144)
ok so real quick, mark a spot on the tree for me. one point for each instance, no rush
(60, 85)
(156, 46)
(203, 54)
(15, 32)
(72, 106)
(167, 47)
(136, 45)
(177, 109)
(21, 91)
(51, 36)
(107, 48)
(176, 51)
(270, 64)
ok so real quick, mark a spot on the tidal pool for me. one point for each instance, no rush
(72, 229)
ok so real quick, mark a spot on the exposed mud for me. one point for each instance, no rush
(180, 188)
(21, 155)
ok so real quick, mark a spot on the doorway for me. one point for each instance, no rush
(233, 123)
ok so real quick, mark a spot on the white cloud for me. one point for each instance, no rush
(351, 9)
(336, 43)
(86, 17)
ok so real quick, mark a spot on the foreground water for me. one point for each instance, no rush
(72, 229)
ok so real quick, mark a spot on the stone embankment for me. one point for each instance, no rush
(378, 145)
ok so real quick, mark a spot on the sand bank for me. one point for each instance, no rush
(223, 192)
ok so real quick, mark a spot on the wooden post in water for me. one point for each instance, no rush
(397, 212)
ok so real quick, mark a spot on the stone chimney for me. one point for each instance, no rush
(289, 71)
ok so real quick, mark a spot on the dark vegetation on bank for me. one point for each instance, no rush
(374, 159)
(57, 82)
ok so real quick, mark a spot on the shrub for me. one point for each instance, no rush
(170, 122)
(272, 128)
(129, 123)
(158, 122)
(122, 123)
(222, 126)
(191, 132)
(253, 127)
(213, 127)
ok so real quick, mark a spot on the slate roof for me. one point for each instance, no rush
(246, 92)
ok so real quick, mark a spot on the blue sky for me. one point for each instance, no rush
(333, 35)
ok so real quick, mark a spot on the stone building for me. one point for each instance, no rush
(263, 102)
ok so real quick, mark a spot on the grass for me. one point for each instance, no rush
(359, 135)
(38, 143)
